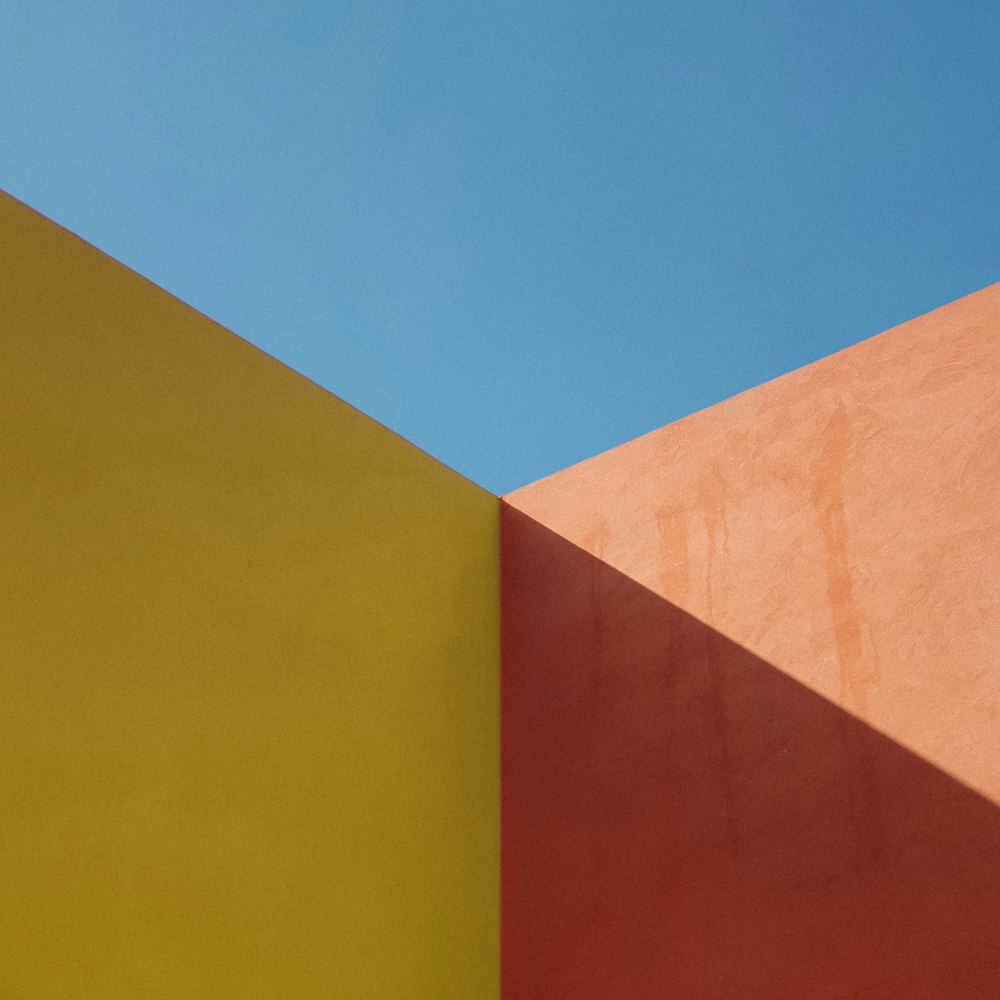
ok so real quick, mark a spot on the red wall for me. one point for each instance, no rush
(751, 692)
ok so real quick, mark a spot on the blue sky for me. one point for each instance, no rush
(521, 233)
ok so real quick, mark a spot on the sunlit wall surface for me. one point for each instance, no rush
(751, 691)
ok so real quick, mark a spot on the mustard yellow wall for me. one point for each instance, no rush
(248, 666)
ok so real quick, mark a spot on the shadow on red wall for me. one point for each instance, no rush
(682, 821)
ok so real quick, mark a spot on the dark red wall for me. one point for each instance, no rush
(682, 821)
(751, 692)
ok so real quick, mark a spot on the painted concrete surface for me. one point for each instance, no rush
(683, 820)
(249, 665)
(751, 671)
(842, 522)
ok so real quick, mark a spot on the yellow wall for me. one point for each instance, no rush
(248, 686)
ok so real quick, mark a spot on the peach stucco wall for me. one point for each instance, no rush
(842, 522)
(751, 702)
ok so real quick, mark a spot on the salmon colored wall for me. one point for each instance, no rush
(751, 687)
(249, 666)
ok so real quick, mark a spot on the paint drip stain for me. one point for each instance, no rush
(828, 500)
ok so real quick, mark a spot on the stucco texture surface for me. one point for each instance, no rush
(751, 669)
